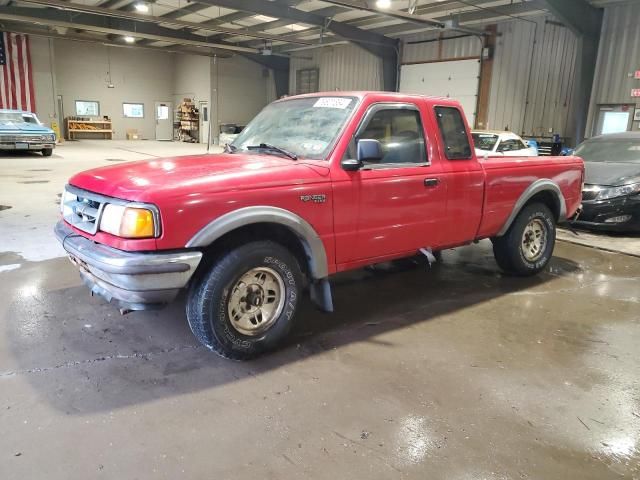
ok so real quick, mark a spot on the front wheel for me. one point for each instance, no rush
(528, 245)
(47, 152)
(245, 304)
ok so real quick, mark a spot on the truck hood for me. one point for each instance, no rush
(146, 180)
(611, 173)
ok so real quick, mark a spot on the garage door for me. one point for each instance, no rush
(457, 79)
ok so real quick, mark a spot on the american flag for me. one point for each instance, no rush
(16, 76)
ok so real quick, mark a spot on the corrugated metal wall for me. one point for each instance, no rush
(618, 58)
(342, 67)
(448, 48)
(533, 78)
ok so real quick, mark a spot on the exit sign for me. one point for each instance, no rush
(635, 92)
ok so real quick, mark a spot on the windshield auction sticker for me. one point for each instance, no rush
(333, 102)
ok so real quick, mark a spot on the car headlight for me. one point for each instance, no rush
(128, 222)
(621, 191)
(50, 138)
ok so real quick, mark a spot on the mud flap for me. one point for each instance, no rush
(321, 295)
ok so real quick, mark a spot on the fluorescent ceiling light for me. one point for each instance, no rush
(129, 39)
(264, 18)
(383, 3)
(296, 28)
(141, 7)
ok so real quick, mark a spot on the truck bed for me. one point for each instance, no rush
(506, 179)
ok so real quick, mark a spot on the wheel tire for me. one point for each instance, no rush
(47, 152)
(516, 252)
(209, 298)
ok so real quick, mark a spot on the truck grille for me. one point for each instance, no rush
(82, 209)
(24, 138)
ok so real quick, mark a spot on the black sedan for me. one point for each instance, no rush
(611, 195)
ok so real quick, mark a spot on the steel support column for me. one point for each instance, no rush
(585, 21)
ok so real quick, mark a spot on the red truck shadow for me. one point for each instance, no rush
(92, 359)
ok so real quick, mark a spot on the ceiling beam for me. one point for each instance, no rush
(143, 18)
(118, 26)
(373, 42)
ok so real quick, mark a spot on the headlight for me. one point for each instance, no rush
(127, 222)
(51, 138)
(621, 191)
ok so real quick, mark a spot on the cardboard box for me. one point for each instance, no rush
(132, 134)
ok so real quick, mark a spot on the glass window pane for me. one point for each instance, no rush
(88, 108)
(400, 133)
(615, 122)
(454, 133)
(163, 112)
(133, 110)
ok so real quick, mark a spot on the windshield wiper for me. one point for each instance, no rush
(228, 148)
(273, 148)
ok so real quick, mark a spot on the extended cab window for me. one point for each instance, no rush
(454, 134)
(400, 133)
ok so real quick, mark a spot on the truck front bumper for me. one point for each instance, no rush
(25, 146)
(133, 280)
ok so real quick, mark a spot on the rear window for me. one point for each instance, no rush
(484, 141)
(454, 133)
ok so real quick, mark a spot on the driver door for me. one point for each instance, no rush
(402, 196)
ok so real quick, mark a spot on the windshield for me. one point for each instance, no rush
(484, 141)
(306, 127)
(11, 117)
(30, 118)
(610, 151)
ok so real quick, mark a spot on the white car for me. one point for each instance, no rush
(501, 144)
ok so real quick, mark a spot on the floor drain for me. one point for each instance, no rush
(39, 170)
(115, 159)
(35, 181)
(4, 207)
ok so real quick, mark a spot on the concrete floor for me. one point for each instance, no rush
(457, 373)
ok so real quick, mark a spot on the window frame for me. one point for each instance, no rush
(97, 102)
(441, 133)
(124, 114)
(364, 123)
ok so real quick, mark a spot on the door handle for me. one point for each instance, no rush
(431, 182)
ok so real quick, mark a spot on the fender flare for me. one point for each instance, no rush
(542, 185)
(309, 238)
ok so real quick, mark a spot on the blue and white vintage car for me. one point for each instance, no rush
(20, 130)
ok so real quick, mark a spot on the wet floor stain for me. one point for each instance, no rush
(34, 181)
(5, 207)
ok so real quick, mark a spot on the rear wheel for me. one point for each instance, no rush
(528, 245)
(47, 152)
(246, 303)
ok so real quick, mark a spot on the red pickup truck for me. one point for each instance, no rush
(314, 185)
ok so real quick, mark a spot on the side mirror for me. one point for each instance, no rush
(369, 149)
(351, 165)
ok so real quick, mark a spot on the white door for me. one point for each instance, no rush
(204, 122)
(457, 79)
(164, 122)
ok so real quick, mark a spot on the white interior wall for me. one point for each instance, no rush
(43, 78)
(83, 71)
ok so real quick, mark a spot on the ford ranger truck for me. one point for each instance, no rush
(314, 185)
